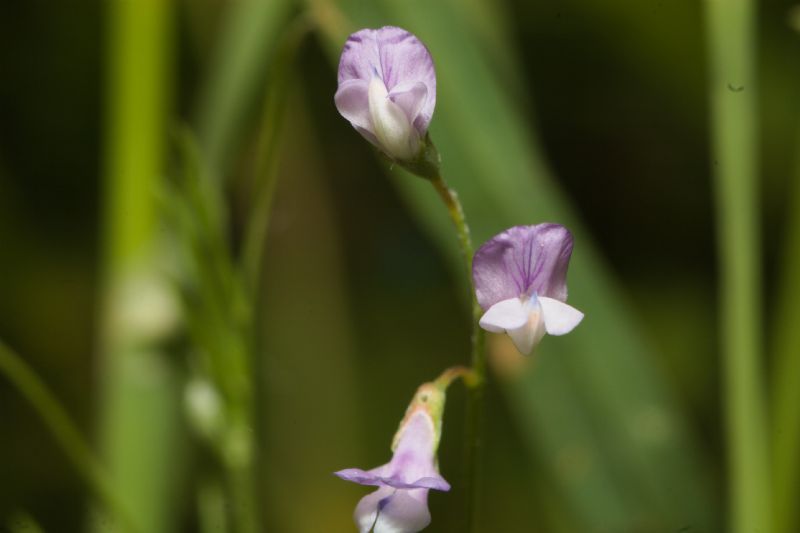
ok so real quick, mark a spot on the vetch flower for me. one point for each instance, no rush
(387, 90)
(520, 279)
(400, 505)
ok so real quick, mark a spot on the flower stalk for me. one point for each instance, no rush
(477, 377)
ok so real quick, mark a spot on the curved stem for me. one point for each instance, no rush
(477, 383)
(64, 431)
(453, 373)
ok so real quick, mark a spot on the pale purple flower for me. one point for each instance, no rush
(520, 279)
(387, 89)
(400, 505)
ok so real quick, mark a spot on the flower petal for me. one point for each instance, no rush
(435, 482)
(521, 261)
(413, 463)
(505, 315)
(411, 98)
(397, 57)
(352, 101)
(404, 512)
(559, 318)
(527, 336)
(366, 512)
(356, 475)
(390, 124)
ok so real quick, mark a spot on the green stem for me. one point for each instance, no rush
(139, 402)
(65, 432)
(475, 407)
(733, 91)
(786, 376)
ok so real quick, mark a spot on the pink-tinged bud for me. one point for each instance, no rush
(400, 505)
(387, 90)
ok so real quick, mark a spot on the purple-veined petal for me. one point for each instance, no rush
(521, 261)
(508, 314)
(406, 511)
(397, 57)
(559, 318)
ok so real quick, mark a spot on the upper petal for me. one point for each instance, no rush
(397, 57)
(559, 318)
(521, 261)
(406, 511)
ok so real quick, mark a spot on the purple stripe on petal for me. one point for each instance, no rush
(521, 261)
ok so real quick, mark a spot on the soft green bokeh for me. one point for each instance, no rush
(587, 112)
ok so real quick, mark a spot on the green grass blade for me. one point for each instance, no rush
(733, 93)
(238, 69)
(139, 424)
(786, 376)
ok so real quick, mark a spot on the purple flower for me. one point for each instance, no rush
(520, 279)
(387, 89)
(400, 505)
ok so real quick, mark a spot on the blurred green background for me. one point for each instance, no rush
(593, 113)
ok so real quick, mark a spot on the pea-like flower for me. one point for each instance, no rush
(520, 279)
(400, 505)
(387, 90)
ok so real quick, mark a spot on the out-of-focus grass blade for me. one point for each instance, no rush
(140, 428)
(786, 377)
(237, 72)
(597, 393)
(310, 410)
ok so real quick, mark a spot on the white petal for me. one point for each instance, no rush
(405, 512)
(505, 315)
(527, 336)
(367, 509)
(559, 318)
(390, 123)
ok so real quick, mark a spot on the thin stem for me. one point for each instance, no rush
(65, 432)
(731, 46)
(475, 407)
(453, 373)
